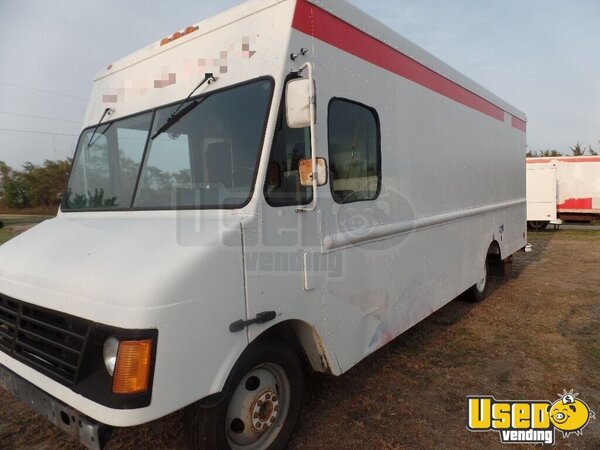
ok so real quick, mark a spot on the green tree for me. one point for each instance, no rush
(543, 154)
(14, 192)
(5, 176)
(550, 153)
(33, 186)
(578, 149)
(45, 183)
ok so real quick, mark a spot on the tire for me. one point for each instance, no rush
(537, 225)
(479, 290)
(264, 390)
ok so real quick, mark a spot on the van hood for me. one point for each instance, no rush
(93, 265)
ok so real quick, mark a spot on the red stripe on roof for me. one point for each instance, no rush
(314, 21)
(519, 124)
(567, 159)
(578, 159)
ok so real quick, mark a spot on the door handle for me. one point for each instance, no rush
(261, 317)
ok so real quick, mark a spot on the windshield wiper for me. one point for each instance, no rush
(174, 118)
(177, 114)
(106, 111)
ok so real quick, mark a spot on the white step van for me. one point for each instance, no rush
(542, 190)
(287, 185)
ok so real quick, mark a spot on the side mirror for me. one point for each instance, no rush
(297, 103)
(1, 224)
(306, 172)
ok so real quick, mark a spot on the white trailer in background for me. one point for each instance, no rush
(541, 195)
(288, 182)
(577, 188)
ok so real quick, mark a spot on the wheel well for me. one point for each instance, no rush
(494, 254)
(304, 339)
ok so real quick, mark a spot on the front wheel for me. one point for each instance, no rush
(259, 407)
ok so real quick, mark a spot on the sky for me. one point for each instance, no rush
(542, 56)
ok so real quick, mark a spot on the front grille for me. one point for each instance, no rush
(49, 341)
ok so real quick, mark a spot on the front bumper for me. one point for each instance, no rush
(90, 433)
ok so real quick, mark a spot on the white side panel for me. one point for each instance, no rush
(439, 158)
(541, 192)
(578, 184)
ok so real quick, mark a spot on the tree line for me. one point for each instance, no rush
(577, 150)
(34, 186)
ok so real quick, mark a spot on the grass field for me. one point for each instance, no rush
(15, 224)
(6, 234)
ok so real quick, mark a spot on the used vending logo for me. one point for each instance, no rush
(529, 421)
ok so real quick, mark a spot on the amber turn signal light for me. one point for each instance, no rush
(132, 369)
(178, 34)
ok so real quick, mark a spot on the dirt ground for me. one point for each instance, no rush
(537, 334)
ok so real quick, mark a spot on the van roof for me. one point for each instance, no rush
(343, 10)
(204, 27)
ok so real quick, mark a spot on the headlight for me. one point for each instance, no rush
(109, 352)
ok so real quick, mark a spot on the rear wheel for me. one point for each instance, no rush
(537, 225)
(260, 404)
(479, 290)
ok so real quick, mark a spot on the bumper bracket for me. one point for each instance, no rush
(90, 433)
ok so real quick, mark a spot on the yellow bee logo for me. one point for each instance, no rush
(569, 414)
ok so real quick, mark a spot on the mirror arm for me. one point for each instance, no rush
(313, 139)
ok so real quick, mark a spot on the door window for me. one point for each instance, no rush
(354, 152)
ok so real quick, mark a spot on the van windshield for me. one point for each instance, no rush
(208, 159)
